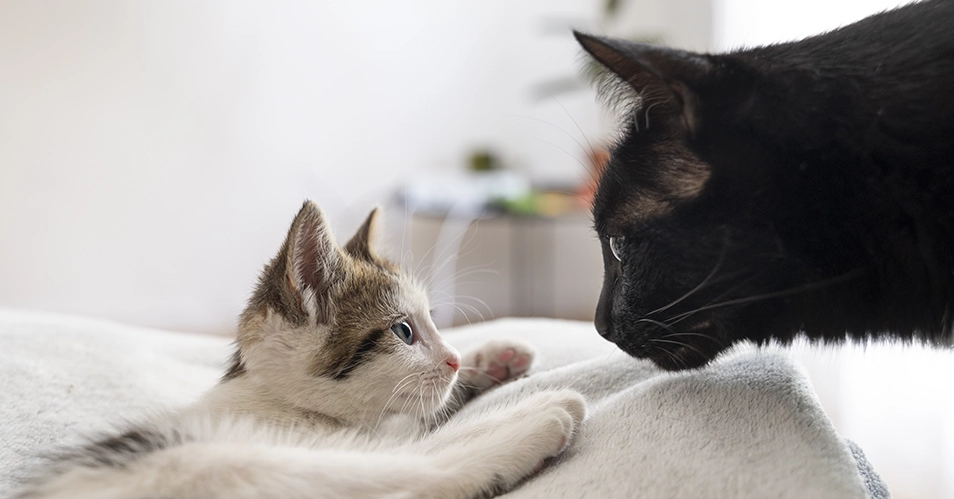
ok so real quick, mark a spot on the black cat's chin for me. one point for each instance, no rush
(681, 358)
(666, 350)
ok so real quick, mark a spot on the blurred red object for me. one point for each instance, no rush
(598, 158)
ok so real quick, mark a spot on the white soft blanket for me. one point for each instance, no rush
(747, 427)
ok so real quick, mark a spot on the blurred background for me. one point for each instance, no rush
(152, 155)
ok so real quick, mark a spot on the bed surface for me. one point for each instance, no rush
(748, 426)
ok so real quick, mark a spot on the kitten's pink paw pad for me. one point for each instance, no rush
(497, 362)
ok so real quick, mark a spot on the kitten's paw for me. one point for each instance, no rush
(513, 443)
(544, 424)
(567, 405)
(496, 362)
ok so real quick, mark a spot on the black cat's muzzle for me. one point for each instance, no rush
(674, 348)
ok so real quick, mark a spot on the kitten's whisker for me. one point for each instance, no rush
(420, 399)
(394, 393)
(439, 257)
(471, 308)
(405, 223)
(398, 385)
(481, 372)
(462, 312)
(479, 301)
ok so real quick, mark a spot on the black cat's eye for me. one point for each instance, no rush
(403, 330)
(616, 243)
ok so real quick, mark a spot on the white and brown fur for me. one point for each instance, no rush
(323, 400)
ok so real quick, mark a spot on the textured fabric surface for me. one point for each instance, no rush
(748, 426)
(873, 483)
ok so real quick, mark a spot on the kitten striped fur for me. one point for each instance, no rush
(340, 386)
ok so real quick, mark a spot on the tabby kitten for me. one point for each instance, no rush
(799, 188)
(338, 388)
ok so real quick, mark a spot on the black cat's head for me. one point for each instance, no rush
(702, 211)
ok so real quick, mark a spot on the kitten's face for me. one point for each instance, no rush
(341, 331)
(700, 248)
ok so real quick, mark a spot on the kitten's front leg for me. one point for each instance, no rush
(491, 364)
(492, 452)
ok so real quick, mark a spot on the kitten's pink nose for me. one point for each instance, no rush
(453, 360)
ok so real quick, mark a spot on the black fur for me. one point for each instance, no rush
(113, 451)
(369, 343)
(119, 450)
(800, 188)
(236, 368)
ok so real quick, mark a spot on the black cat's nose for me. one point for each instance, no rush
(603, 320)
(603, 327)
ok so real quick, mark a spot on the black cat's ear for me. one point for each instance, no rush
(651, 70)
(311, 259)
(361, 245)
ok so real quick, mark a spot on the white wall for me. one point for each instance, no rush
(758, 22)
(153, 153)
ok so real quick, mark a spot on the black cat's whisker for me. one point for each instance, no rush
(699, 286)
(577, 125)
(551, 144)
(658, 323)
(687, 333)
(671, 355)
(775, 294)
(728, 292)
(678, 343)
(564, 132)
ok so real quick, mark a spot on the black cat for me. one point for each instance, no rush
(805, 187)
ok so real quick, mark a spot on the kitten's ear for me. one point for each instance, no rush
(310, 261)
(651, 69)
(361, 246)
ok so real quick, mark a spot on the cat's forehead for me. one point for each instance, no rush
(642, 184)
(375, 293)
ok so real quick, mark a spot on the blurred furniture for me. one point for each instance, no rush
(504, 265)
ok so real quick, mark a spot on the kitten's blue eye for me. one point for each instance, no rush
(403, 331)
(616, 243)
